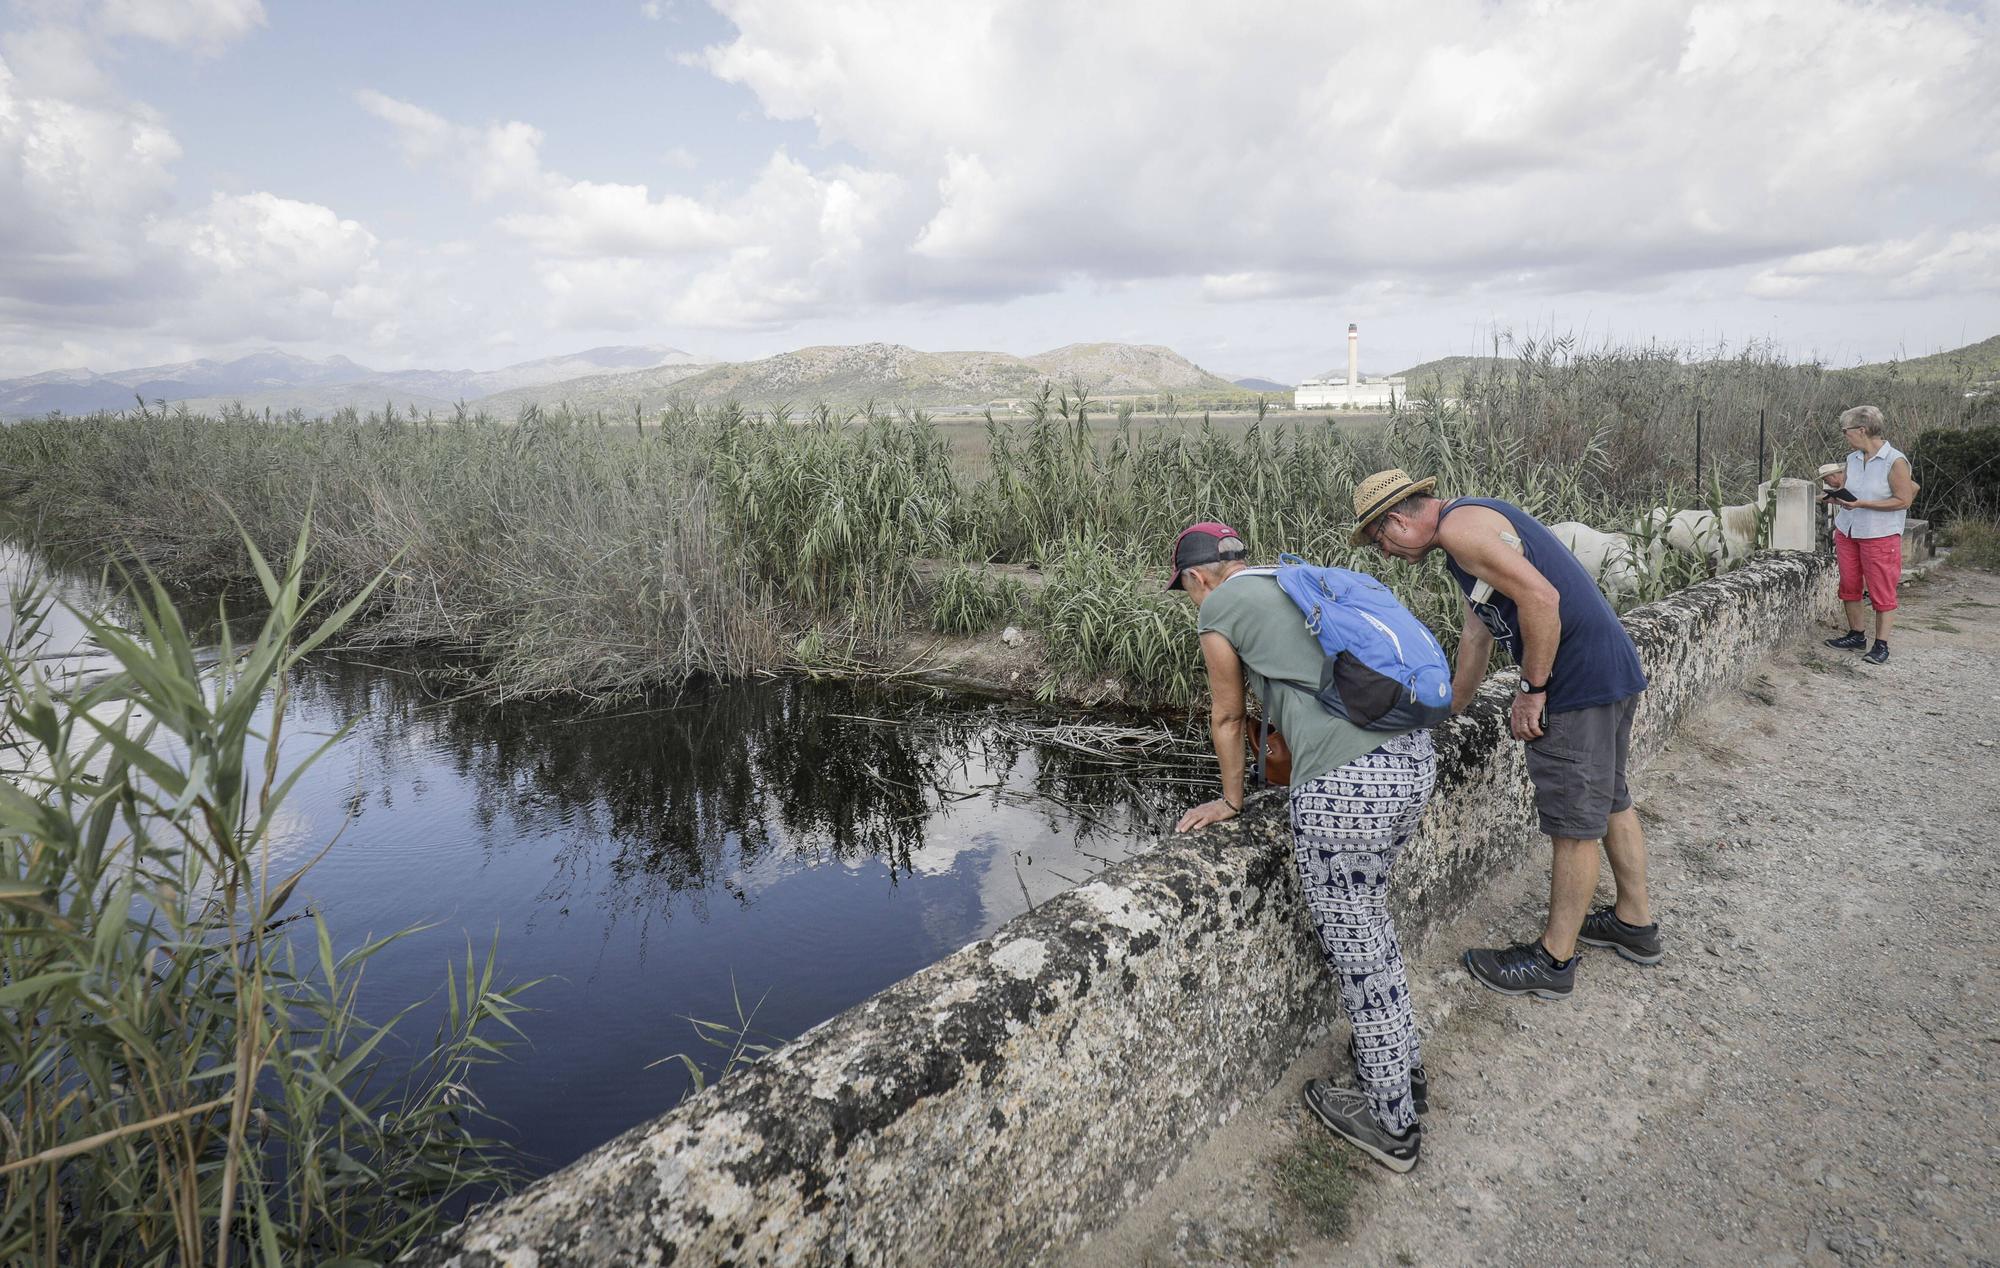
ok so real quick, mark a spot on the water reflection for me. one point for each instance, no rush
(695, 792)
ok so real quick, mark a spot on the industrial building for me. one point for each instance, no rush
(1352, 392)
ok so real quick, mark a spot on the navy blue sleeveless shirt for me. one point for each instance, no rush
(1596, 662)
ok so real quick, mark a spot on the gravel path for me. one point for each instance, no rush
(1806, 1079)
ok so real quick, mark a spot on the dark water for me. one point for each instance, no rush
(794, 846)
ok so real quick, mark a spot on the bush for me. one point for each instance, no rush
(1959, 471)
(969, 599)
(1975, 540)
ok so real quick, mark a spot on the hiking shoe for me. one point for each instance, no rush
(1640, 944)
(1420, 1086)
(1878, 654)
(1346, 1112)
(1852, 641)
(1526, 968)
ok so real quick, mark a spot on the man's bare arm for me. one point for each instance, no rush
(1475, 652)
(1227, 728)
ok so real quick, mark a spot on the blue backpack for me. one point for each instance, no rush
(1384, 670)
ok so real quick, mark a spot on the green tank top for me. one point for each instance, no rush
(1282, 661)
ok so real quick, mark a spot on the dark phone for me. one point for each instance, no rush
(1841, 495)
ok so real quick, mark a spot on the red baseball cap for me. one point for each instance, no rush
(1208, 542)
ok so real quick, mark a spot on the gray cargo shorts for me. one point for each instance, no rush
(1578, 768)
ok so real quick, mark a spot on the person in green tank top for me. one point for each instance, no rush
(1356, 797)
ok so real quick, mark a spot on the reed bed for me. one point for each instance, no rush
(186, 1075)
(581, 554)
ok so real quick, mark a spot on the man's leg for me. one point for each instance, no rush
(1883, 620)
(1857, 613)
(1572, 881)
(1625, 846)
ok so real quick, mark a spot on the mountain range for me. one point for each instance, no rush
(281, 381)
(615, 380)
(884, 374)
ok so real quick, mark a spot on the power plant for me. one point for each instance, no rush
(1352, 392)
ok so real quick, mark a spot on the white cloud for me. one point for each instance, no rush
(790, 243)
(93, 248)
(1264, 158)
(422, 135)
(201, 25)
(78, 181)
(1280, 148)
(1919, 267)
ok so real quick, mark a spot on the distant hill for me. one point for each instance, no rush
(885, 374)
(1975, 363)
(1451, 370)
(1261, 385)
(280, 381)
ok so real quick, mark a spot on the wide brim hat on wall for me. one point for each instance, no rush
(1374, 496)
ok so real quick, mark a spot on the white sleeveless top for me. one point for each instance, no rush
(1868, 479)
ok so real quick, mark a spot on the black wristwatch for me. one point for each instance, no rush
(1526, 690)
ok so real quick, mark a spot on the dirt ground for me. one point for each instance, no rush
(1806, 1079)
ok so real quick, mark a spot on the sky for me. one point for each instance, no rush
(461, 185)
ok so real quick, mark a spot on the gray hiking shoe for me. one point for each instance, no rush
(1852, 641)
(1346, 1112)
(1640, 944)
(1526, 968)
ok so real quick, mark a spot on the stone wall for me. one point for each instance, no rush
(1002, 1104)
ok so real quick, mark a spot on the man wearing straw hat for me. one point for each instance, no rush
(1580, 685)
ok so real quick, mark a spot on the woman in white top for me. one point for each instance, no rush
(1868, 532)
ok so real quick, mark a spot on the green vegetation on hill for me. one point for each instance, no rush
(1450, 370)
(1975, 363)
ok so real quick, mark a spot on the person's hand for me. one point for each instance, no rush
(1526, 722)
(1206, 813)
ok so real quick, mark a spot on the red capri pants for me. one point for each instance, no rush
(1873, 562)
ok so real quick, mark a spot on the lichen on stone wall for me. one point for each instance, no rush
(999, 1105)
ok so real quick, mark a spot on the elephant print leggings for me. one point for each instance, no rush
(1348, 827)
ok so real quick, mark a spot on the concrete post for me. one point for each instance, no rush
(1794, 522)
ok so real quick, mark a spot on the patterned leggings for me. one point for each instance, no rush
(1348, 826)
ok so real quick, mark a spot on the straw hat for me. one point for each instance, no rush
(1378, 493)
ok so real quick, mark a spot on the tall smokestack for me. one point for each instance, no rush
(1353, 358)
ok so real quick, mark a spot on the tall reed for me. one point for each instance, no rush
(185, 1072)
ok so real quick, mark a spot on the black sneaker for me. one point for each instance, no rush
(1640, 944)
(1346, 1112)
(1420, 1085)
(1526, 968)
(1852, 641)
(1878, 654)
